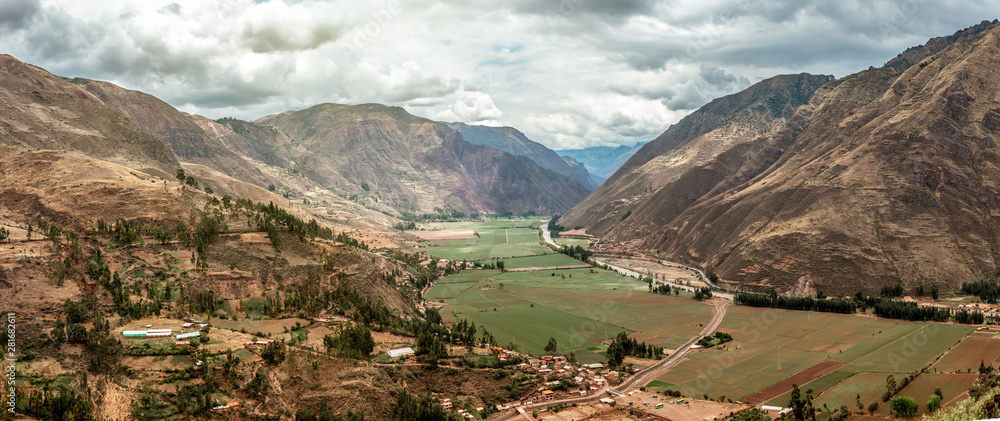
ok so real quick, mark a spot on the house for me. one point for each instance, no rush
(446, 404)
(548, 395)
(179, 343)
(401, 352)
(187, 325)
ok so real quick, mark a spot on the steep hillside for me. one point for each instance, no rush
(409, 163)
(512, 141)
(175, 129)
(891, 175)
(602, 161)
(43, 111)
(278, 156)
(695, 140)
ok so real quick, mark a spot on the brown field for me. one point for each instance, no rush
(445, 234)
(657, 270)
(264, 326)
(692, 410)
(801, 377)
(969, 353)
(955, 387)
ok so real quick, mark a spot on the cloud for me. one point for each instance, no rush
(17, 14)
(568, 73)
(276, 26)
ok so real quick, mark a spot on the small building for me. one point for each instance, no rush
(158, 333)
(446, 404)
(180, 343)
(187, 335)
(187, 325)
(134, 333)
(548, 395)
(607, 401)
(594, 366)
(401, 352)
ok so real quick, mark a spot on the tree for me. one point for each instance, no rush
(180, 175)
(933, 402)
(4, 234)
(861, 406)
(934, 292)
(551, 346)
(273, 353)
(353, 341)
(615, 354)
(904, 405)
(890, 385)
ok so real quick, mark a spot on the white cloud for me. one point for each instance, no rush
(568, 73)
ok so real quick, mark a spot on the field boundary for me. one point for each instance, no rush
(802, 377)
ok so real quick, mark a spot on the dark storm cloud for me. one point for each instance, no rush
(17, 14)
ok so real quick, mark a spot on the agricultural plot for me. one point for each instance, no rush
(953, 386)
(491, 243)
(578, 307)
(572, 242)
(802, 340)
(870, 386)
(542, 262)
(969, 354)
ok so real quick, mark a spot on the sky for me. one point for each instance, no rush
(568, 73)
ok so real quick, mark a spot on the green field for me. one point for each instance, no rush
(572, 242)
(868, 346)
(977, 348)
(492, 243)
(577, 307)
(542, 261)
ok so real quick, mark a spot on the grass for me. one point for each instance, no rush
(496, 242)
(659, 386)
(870, 386)
(577, 307)
(572, 242)
(542, 261)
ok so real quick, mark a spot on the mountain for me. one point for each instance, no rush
(512, 141)
(602, 161)
(39, 110)
(175, 129)
(578, 166)
(386, 156)
(698, 138)
(890, 175)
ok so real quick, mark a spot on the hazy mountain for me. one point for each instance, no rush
(696, 139)
(602, 161)
(512, 141)
(890, 175)
(415, 164)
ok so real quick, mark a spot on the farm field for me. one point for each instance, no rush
(542, 261)
(867, 346)
(572, 242)
(577, 307)
(870, 386)
(953, 386)
(968, 354)
(491, 243)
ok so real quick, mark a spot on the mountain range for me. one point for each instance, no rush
(887, 176)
